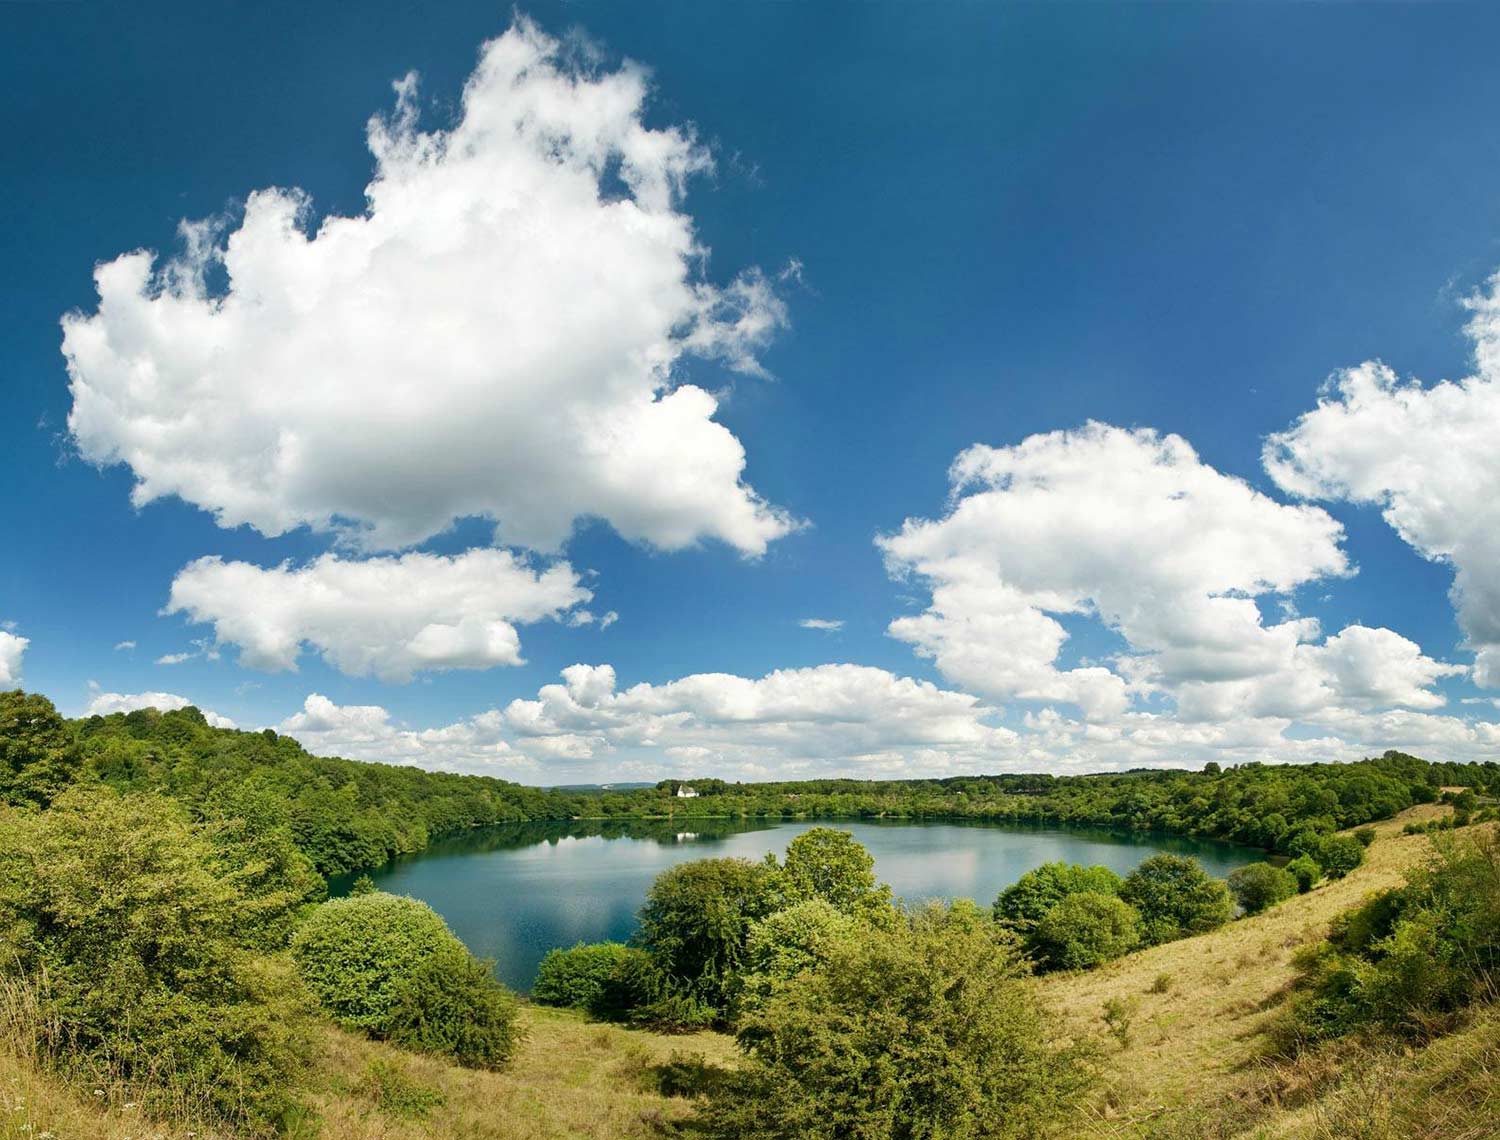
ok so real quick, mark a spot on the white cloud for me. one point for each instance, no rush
(103, 704)
(1131, 528)
(391, 616)
(833, 718)
(12, 649)
(828, 625)
(1428, 458)
(124, 645)
(498, 334)
(174, 658)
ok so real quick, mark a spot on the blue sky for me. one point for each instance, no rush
(910, 230)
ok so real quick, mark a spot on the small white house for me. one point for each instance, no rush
(686, 792)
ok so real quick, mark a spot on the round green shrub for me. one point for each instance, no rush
(1026, 902)
(355, 954)
(1261, 885)
(1176, 898)
(1086, 930)
(1305, 869)
(575, 978)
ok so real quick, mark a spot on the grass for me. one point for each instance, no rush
(571, 1078)
(1180, 1029)
(1194, 1060)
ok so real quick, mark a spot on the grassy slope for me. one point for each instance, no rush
(1191, 1068)
(1193, 1065)
(570, 1079)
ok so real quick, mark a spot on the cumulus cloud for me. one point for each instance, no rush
(103, 704)
(387, 616)
(498, 334)
(12, 649)
(1426, 456)
(1133, 529)
(844, 718)
(827, 625)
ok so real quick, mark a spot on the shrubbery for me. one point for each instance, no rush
(1026, 902)
(926, 1028)
(1086, 930)
(1176, 898)
(1305, 870)
(576, 977)
(1409, 959)
(390, 966)
(133, 938)
(1261, 885)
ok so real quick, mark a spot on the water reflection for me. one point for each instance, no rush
(514, 891)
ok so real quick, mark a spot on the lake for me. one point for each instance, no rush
(515, 891)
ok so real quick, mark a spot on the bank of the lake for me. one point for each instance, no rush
(513, 892)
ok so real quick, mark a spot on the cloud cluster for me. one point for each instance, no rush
(12, 649)
(1133, 529)
(497, 335)
(832, 718)
(103, 704)
(1427, 457)
(388, 616)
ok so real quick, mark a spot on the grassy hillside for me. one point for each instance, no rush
(1183, 1056)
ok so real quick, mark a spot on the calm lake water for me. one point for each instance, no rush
(514, 892)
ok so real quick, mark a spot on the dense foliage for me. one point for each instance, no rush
(922, 1028)
(390, 966)
(576, 977)
(1176, 898)
(1086, 929)
(1410, 959)
(1261, 885)
(131, 934)
(1023, 904)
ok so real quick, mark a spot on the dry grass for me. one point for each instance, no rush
(1194, 1062)
(570, 1079)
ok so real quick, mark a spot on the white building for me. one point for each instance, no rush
(685, 792)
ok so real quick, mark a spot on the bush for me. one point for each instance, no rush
(1176, 897)
(1261, 885)
(1086, 930)
(635, 983)
(1339, 854)
(696, 919)
(390, 966)
(1026, 902)
(1365, 835)
(1409, 959)
(927, 1029)
(576, 978)
(134, 949)
(1305, 870)
(452, 1004)
(355, 953)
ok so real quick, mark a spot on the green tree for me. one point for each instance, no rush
(1176, 898)
(1339, 854)
(1261, 885)
(696, 919)
(1305, 870)
(118, 914)
(823, 863)
(1026, 902)
(927, 1029)
(1085, 930)
(37, 755)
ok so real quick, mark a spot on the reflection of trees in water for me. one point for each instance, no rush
(709, 831)
(519, 836)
